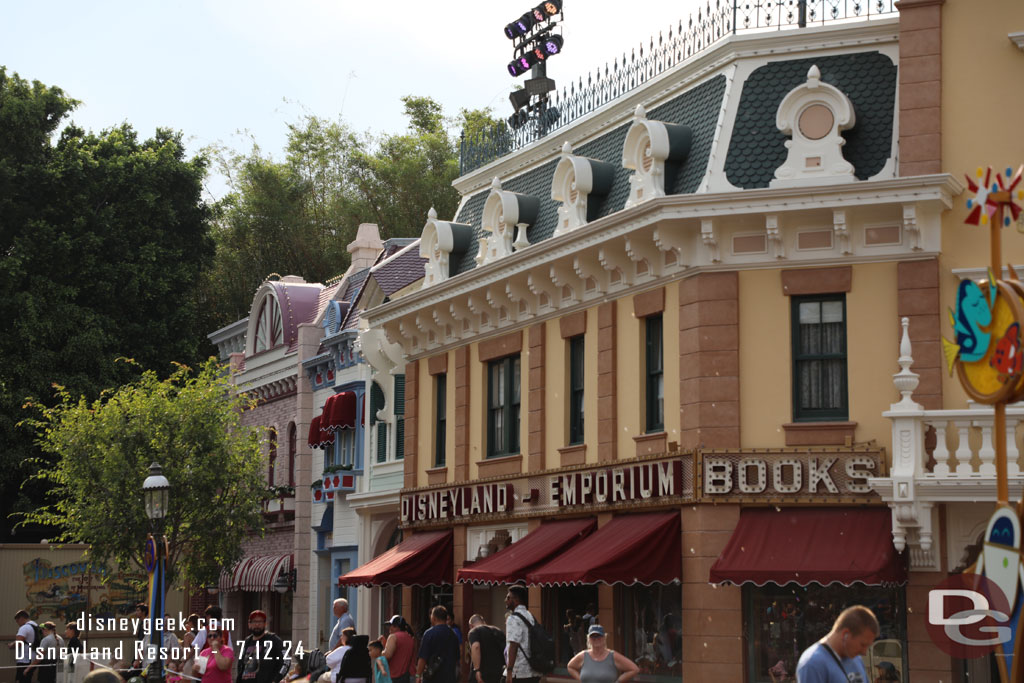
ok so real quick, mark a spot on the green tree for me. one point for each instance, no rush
(298, 216)
(189, 423)
(103, 238)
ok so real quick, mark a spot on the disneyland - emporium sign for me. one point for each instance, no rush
(809, 475)
(463, 501)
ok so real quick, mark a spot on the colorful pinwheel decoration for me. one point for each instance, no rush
(989, 196)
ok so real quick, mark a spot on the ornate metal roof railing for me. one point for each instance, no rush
(711, 23)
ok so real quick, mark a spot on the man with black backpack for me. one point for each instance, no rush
(525, 639)
(29, 635)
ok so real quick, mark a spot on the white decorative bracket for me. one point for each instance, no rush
(567, 280)
(775, 246)
(613, 258)
(639, 248)
(461, 313)
(520, 295)
(589, 268)
(649, 144)
(497, 297)
(575, 180)
(841, 231)
(911, 227)
(814, 114)
(710, 239)
(545, 290)
(671, 241)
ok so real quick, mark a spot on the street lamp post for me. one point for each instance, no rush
(156, 491)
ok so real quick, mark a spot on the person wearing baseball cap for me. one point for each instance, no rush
(400, 649)
(261, 659)
(598, 663)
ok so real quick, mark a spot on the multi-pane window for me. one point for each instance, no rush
(269, 327)
(819, 357)
(345, 447)
(576, 349)
(503, 406)
(440, 423)
(654, 374)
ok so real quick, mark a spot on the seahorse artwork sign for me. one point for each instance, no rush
(986, 355)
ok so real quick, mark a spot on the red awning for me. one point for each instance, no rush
(317, 437)
(339, 412)
(256, 573)
(630, 549)
(811, 545)
(511, 564)
(421, 560)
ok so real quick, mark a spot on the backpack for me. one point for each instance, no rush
(38, 633)
(316, 664)
(542, 646)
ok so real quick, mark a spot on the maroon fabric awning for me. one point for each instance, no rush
(421, 560)
(317, 437)
(339, 412)
(512, 564)
(811, 545)
(630, 549)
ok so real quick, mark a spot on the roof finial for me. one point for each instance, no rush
(566, 148)
(639, 112)
(814, 74)
(495, 183)
(432, 214)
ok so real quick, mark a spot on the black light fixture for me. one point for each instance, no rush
(534, 42)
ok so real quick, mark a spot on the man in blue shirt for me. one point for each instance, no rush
(836, 657)
(439, 651)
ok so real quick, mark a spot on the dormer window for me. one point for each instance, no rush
(506, 217)
(576, 180)
(269, 326)
(649, 145)
(814, 114)
(439, 240)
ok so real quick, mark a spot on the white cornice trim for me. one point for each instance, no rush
(1017, 38)
(938, 189)
(832, 38)
(982, 272)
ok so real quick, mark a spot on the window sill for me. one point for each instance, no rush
(501, 465)
(573, 455)
(651, 444)
(835, 433)
(437, 475)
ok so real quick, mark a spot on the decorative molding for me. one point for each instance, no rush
(575, 179)
(1017, 39)
(910, 226)
(841, 231)
(685, 226)
(813, 115)
(775, 247)
(438, 241)
(504, 214)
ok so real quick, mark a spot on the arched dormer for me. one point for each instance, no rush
(649, 144)
(279, 306)
(814, 114)
(439, 240)
(506, 217)
(576, 179)
(269, 330)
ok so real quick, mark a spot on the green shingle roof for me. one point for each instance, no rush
(757, 147)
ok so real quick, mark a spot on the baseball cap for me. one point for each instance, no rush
(396, 621)
(257, 614)
(595, 630)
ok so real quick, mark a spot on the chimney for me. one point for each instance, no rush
(366, 246)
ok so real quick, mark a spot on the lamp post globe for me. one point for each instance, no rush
(156, 490)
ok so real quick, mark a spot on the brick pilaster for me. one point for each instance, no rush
(712, 616)
(607, 411)
(920, 74)
(918, 299)
(462, 396)
(924, 659)
(709, 361)
(537, 460)
(412, 427)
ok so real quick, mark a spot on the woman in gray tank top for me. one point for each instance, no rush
(598, 664)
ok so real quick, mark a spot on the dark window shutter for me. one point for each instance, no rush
(400, 438)
(399, 394)
(376, 401)
(382, 441)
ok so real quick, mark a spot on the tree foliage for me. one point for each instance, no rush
(189, 423)
(298, 216)
(103, 239)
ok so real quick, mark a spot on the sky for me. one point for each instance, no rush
(235, 72)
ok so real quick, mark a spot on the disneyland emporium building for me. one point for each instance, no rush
(649, 371)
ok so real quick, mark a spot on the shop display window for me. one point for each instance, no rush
(565, 617)
(650, 630)
(782, 621)
(426, 598)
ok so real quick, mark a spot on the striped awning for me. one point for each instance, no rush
(256, 573)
